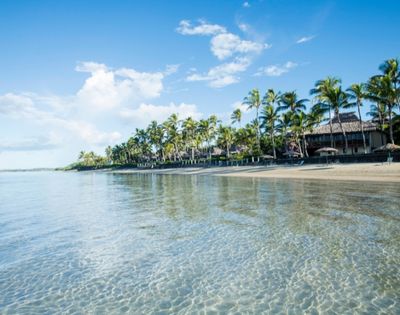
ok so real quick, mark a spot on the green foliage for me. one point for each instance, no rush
(281, 120)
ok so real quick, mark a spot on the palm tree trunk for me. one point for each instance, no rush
(300, 150)
(192, 153)
(305, 145)
(227, 151)
(346, 145)
(258, 131)
(381, 122)
(390, 124)
(273, 145)
(362, 127)
(331, 128)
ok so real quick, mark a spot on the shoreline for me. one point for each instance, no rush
(361, 172)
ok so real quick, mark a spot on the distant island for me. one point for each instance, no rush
(282, 127)
(39, 169)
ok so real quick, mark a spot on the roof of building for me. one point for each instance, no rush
(350, 123)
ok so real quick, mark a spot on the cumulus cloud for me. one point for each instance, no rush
(88, 118)
(223, 45)
(108, 88)
(21, 106)
(246, 4)
(227, 44)
(145, 113)
(224, 74)
(185, 28)
(304, 39)
(276, 70)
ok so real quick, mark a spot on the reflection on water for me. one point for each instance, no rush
(120, 243)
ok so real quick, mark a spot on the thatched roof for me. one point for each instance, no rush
(388, 147)
(350, 123)
(328, 150)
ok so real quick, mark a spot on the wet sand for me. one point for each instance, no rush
(378, 172)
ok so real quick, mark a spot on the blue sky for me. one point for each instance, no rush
(79, 75)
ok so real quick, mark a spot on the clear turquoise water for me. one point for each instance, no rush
(95, 243)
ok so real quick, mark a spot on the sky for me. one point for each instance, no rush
(81, 75)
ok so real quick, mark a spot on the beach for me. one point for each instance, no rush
(376, 172)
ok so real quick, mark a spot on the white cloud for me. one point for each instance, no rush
(224, 74)
(106, 88)
(244, 27)
(89, 133)
(21, 106)
(223, 44)
(276, 70)
(145, 113)
(246, 4)
(185, 28)
(86, 119)
(227, 44)
(171, 69)
(305, 39)
(30, 144)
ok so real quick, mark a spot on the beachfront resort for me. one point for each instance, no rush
(199, 157)
(285, 125)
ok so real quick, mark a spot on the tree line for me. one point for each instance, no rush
(281, 123)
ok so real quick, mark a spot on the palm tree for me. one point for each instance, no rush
(381, 90)
(246, 137)
(290, 101)
(156, 138)
(271, 114)
(189, 129)
(171, 126)
(300, 125)
(207, 128)
(108, 152)
(225, 138)
(385, 89)
(391, 68)
(321, 90)
(356, 92)
(253, 100)
(337, 99)
(283, 126)
(81, 155)
(303, 123)
(269, 117)
(236, 116)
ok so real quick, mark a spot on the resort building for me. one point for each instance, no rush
(321, 136)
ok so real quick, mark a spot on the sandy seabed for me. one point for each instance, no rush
(378, 172)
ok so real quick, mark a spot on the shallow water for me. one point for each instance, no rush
(98, 243)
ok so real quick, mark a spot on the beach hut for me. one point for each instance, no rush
(327, 150)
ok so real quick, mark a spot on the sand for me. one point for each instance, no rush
(377, 172)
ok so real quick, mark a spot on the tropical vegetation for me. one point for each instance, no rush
(280, 124)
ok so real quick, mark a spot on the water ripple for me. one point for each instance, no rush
(112, 244)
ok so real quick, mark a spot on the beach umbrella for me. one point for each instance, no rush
(327, 150)
(388, 147)
(291, 154)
